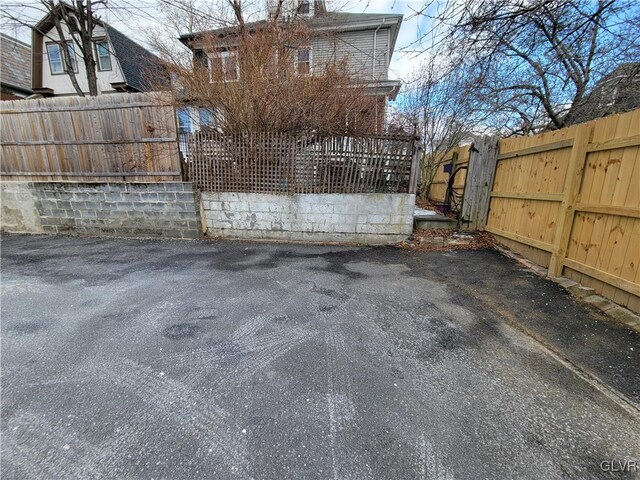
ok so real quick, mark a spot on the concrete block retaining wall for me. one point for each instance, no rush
(167, 209)
(366, 218)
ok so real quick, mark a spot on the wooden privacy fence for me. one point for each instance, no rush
(115, 137)
(570, 200)
(449, 179)
(282, 163)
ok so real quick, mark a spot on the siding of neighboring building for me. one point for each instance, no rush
(15, 68)
(366, 51)
(61, 84)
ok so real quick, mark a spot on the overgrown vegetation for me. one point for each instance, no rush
(260, 76)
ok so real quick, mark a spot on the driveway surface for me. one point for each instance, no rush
(184, 360)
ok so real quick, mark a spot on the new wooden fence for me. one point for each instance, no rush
(454, 159)
(281, 163)
(115, 137)
(570, 200)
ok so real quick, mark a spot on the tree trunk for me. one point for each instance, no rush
(85, 20)
(65, 53)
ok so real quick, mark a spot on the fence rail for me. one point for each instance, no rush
(119, 137)
(570, 200)
(282, 163)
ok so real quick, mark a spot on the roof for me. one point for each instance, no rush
(142, 70)
(15, 63)
(340, 21)
(616, 92)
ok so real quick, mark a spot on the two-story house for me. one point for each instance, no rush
(122, 65)
(366, 41)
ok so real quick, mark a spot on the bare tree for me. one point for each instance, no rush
(74, 25)
(264, 80)
(531, 63)
(439, 107)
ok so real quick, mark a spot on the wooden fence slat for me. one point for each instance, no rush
(571, 192)
(124, 137)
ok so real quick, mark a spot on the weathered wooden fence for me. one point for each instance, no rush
(117, 137)
(281, 163)
(570, 200)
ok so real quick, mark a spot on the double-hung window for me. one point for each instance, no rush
(103, 57)
(56, 58)
(303, 61)
(224, 66)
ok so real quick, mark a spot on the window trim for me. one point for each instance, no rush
(74, 60)
(297, 62)
(223, 55)
(95, 47)
(57, 45)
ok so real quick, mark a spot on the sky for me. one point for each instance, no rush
(404, 60)
(413, 27)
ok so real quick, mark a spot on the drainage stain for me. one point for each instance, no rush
(329, 292)
(327, 308)
(25, 328)
(181, 331)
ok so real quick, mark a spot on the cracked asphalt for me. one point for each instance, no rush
(183, 360)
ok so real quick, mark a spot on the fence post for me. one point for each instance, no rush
(483, 157)
(415, 166)
(570, 195)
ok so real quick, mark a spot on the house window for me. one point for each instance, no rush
(102, 54)
(207, 118)
(304, 7)
(303, 61)
(224, 66)
(184, 121)
(56, 60)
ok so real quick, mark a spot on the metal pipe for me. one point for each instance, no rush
(375, 46)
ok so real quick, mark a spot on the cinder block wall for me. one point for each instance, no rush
(366, 218)
(130, 209)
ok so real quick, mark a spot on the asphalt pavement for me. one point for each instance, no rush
(187, 359)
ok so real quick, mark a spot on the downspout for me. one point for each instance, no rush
(375, 46)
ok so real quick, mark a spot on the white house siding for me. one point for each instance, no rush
(367, 52)
(61, 84)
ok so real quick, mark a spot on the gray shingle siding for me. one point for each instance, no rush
(142, 70)
(15, 64)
